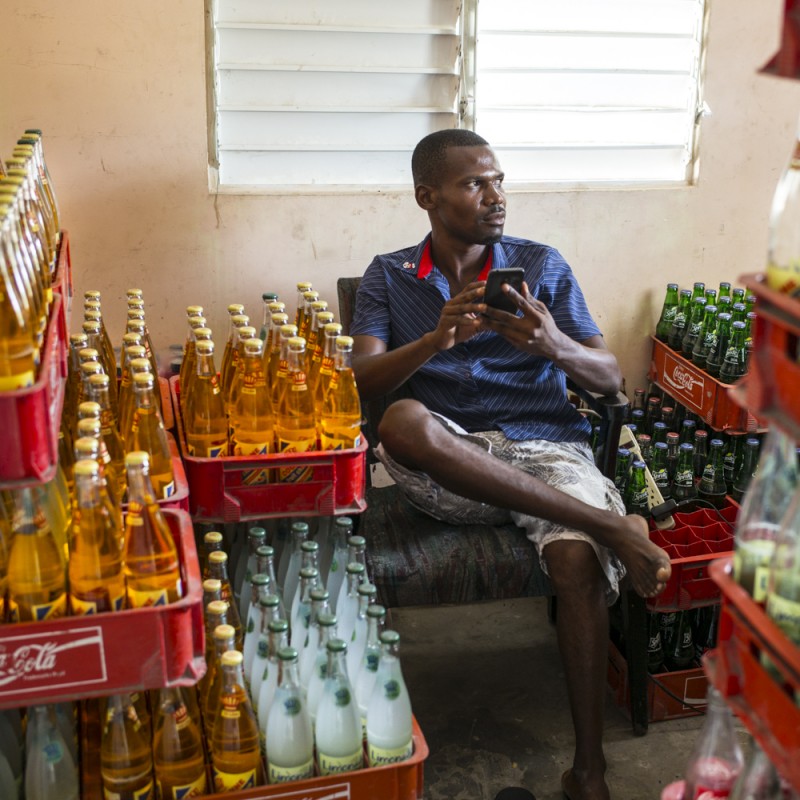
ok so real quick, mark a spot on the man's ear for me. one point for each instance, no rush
(425, 196)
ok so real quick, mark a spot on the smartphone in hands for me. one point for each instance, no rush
(494, 295)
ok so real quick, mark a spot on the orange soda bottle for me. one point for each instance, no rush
(203, 407)
(126, 763)
(302, 288)
(152, 568)
(326, 366)
(340, 421)
(187, 362)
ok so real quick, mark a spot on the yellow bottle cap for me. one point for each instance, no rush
(231, 658)
(205, 346)
(218, 557)
(143, 380)
(235, 308)
(224, 632)
(89, 409)
(216, 607)
(194, 311)
(137, 458)
(86, 467)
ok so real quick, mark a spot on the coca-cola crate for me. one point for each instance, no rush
(62, 278)
(770, 387)
(698, 391)
(219, 488)
(670, 695)
(400, 781)
(767, 706)
(697, 539)
(101, 654)
(30, 418)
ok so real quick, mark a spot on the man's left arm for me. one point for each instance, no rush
(589, 363)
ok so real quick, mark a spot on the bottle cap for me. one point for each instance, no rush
(99, 379)
(279, 318)
(337, 645)
(205, 347)
(304, 286)
(86, 447)
(256, 532)
(267, 296)
(354, 567)
(309, 546)
(143, 380)
(231, 658)
(265, 550)
(287, 654)
(89, 409)
(345, 522)
(247, 332)
(238, 320)
(376, 610)
(299, 526)
(212, 585)
(140, 363)
(319, 595)
(326, 619)
(259, 579)
(324, 318)
(86, 467)
(194, 311)
(202, 334)
(278, 626)
(297, 343)
(368, 589)
(333, 329)
(137, 458)
(253, 346)
(357, 541)
(224, 632)
(218, 557)
(89, 426)
(309, 573)
(390, 637)
(235, 308)
(217, 607)
(344, 342)
(269, 601)
(88, 354)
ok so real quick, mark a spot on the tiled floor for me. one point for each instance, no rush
(488, 692)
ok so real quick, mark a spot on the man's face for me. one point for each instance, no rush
(470, 204)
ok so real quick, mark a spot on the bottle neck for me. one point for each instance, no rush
(140, 489)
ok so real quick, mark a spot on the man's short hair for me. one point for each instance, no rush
(429, 155)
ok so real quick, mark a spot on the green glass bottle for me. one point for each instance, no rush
(700, 452)
(724, 289)
(694, 323)
(624, 458)
(738, 312)
(734, 453)
(735, 359)
(712, 487)
(746, 469)
(717, 354)
(711, 296)
(675, 336)
(659, 470)
(706, 338)
(683, 485)
(668, 311)
(636, 492)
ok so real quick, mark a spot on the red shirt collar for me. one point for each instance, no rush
(426, 263)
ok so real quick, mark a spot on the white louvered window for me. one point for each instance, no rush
(324, 93)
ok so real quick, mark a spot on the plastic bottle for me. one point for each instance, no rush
(716, 758)
(126, 764)
(389, 725)
(235, 749)
(337, 727)
(150, 557)
(290, 739)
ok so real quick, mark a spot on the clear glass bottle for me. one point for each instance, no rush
(235, 748)
(716, 759)
(252, 630)
(246, 567)
(309, 557)
(268, 611)
(290, 739)
(389, 720)
(203, 409)
(364, 677)
(342, 531)
(308, 656)
(218, 568)
(340, 418)
(277, 639)
(337, 727)
(347, 606)
(367, 594)
(309, 579)
(50, 771)
(759, 779)
(291, 561)
(223, 638)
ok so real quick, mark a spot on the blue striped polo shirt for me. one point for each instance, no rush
(484, 383)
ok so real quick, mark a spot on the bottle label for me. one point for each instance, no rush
(292, 706)
(83, 608)
(299, 383)
(785, 614)
(342, 697)
(639, 498)
(684, 478)
(263, 651)
(253, 477)
(183, 791)
(141, 598)
(371, 662)
(300, 473)
(332, 765)
(145, 793)
(214, 451)
(278, 774)
(232, 781)
(53, 752)
(169, 489)
(383, 755)
(9, 383)
(56, 608)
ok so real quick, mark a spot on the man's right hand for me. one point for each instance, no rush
(459, 320)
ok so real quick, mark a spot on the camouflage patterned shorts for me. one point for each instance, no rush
(566, 466)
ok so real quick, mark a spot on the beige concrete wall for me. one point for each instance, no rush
(119, 90)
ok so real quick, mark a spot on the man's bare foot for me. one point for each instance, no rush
(577, 785)
(647, 564)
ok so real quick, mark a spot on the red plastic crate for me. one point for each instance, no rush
(698, 391)
(670, 695)
(218, 489)
(30, 418)
(62, 278)
(401, 781)
(167, 413)
(697, 539)
(102, 654)
(770, 387)
(767, 708)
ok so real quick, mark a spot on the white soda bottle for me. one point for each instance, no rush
(290, 740)
(309, 550)
(358, 641)
(308, 656)
(277, 639)
(347, 607)
(268, 609)
(259, 584)
(368, 668)
(246, 568)
(327, 631)
(335, 578)
(309, 579)
(389, 710)
(338, 723)
(289, 575)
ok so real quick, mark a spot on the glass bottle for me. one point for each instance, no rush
(367, 670)
(290, 739)
(178, 757)
(675, 336)
(636, 501)
(668, 311)
(223, 639)
(347, 605)
(660, 471)
(694, 324)
(645, 442)
(357, 551)
(265, 562)
(235, 748)
(132, 350)
(246, 567)
(338, 722)
(679, 653)
(624, 460)
(323, 319)
(50, 771)
(147, 434)
(193, 312)
(706, 338)
(716, 356)
(683, 484)
(655, 650)
(309, 557)
(241, 330)
(243, 334)
(266, 299)
(268, 611)
(712, 486)
(218, 568)
(701, 452)
(309, 579)
(150, 557)
(734, 363)
(734, 452)
(291, 561)
(340, 420)
(319, 604)
(37, 587)
(278, 369)
(295, 426)
(688, 428)
(203, 409)
(764, 504)
(759, 779)
(234, 310)
(97, 392)
(259, 586)
(212, 540)
(746, 470)
(716, 759)
(96, 579)
(367, 593)
(126, 764)
(389, 726)
(342, 531)
(277, 638)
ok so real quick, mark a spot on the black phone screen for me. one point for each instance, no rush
(494, 296)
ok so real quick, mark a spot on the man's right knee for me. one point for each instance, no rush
(401, 429)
